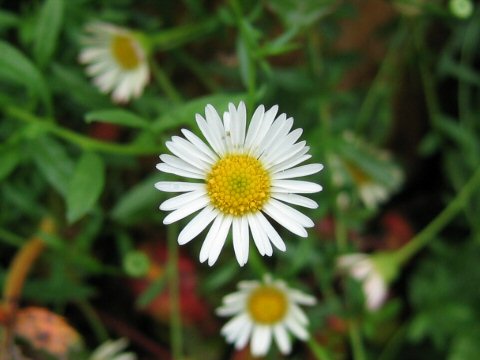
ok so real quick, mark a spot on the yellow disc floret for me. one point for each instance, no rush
(238, 184)
(267, 305)
(125, 51)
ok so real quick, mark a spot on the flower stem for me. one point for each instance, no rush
(165, 84)
(168, 39)
(318, 350)
(17, 273)
(432, 229)
(175, 320)
(356, 341)
(84, 142)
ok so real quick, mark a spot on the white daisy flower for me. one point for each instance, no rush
(243, 173)
(263, 310)
(112, 350)
(117, 60)
(362, 267)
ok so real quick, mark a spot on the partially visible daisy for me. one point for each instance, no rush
(243, 173)
(369, 170)
(364, 268)
(116, 59)
(113, 350)
(263, 310)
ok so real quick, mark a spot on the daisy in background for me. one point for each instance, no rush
(369, 170)
(263, 310)
(116, 59)
(112, 350)
(242, 174)
(374, 271)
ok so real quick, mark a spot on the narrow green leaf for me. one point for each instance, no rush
(85, 187)
(7, 19)
(47, 30)
(141, 198)
(184, 114)
(117, 116)
(9, 159)
(17, 68)
(155, 289)
(53, 162)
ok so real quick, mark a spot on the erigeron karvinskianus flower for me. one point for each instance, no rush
(242, 174)
(263, 310)
(113, 350)
(370, 171)
(374, 272)
(116, 59)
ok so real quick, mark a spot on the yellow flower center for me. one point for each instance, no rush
(359, 175)
(267, 305)
(238, 184)
(125, 51)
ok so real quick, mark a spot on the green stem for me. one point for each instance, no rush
(165, 84)
(257, 264)
(356, 341)
(82, 141)
(318, 350)
(198, 70)
(432, 229)
(169, 39)
(377, 87)
(175, 319)
(95, 323)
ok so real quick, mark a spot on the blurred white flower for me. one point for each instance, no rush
(362, 268)
(113, 350)
(264, 310)
(116, 59)
(244, 173)
(368, 170)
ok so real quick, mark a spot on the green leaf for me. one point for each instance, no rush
(7, 19)
(17, 68)
(85, 187)
(9, 159)
(85, 94)
(184, 114)
(47, 30)
(117, 116)
(143, 197)
(53, 162)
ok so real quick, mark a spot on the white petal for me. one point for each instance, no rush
(300, 297)
(213, 140)
(259, 236)
(234, 324)
(195, 140)
(181, 200)
(238, 240)
(279, 129)
(216, 126)
(239, 125)
(180, 172)
(297, 329)
(257, 142)
(292, 213)
(246, 236)
(295, 200)
(292, 161)
(219, 240)
(282, 339)
(300, 171)
(243, 335)
(186, 210)
(176, 186)
(283, 151)
(295, 186)
(261, 340)
(254, 125)
(197, 224)
(189, 153)
(178, 163)
(207, 243)
(284, 220)
(298, 314)
(271, 232)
